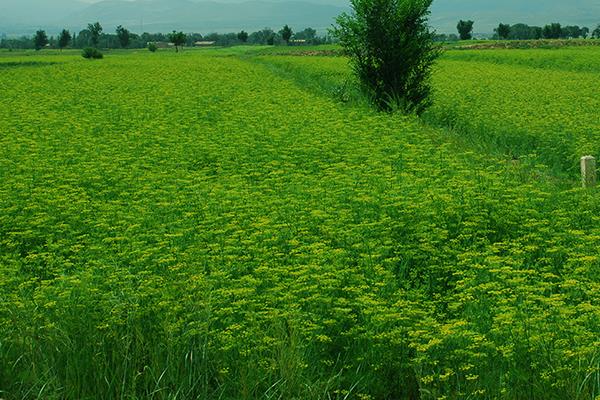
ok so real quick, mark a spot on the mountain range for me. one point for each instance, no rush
(204, 16)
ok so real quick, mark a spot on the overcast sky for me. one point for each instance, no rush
(24, 16)
(336, 2)
(343, 2)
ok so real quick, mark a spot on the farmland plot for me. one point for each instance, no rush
(198, 225)
(533, 102)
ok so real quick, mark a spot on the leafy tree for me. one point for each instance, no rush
(465, 29)
(391, 51)
(524, 32)
(95, 30)
(221, 39)
(243, 36)
(503, 31)
(308, 34)
(40, 40)
(22, 42)
(178, 39)
(572, 32)
(263, 36)
(286, 33)
(585, 32)
(83, 38)
(537, 32)
(123, 35)
(64, 39)
(552, 31)
(152, 47)
(596, 32)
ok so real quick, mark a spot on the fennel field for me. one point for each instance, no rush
(237, 224)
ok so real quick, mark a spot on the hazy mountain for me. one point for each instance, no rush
(205, 16)
(24, 16)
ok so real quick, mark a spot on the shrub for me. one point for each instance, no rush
(391, 51)
(152, 47)
(92, 53)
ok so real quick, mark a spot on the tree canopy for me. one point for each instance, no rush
(286, 33)
(391, 51)
(64, 39)
(503, 31)
(95, 30)
(178, 39)
(465, 29)
(124, 36)
(40, 40)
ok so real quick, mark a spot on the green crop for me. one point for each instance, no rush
(210, 225)
(536, 102)
(529, 104)
(577, 59)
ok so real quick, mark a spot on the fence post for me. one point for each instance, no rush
(588, 171)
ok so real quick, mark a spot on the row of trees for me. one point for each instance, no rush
(91, 37)
(95, 36)
(550, 31)
(268, 36)
(526, 32)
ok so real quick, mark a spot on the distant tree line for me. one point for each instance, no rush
(94, 36)
(523, 32)
(550, 31)
(445, 37)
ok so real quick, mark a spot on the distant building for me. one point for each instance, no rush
(298, 42)
(204, 43)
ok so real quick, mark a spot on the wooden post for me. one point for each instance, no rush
(588, 171)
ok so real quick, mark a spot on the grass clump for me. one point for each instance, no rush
(92, 53)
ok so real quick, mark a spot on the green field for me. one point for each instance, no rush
(238, 224)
